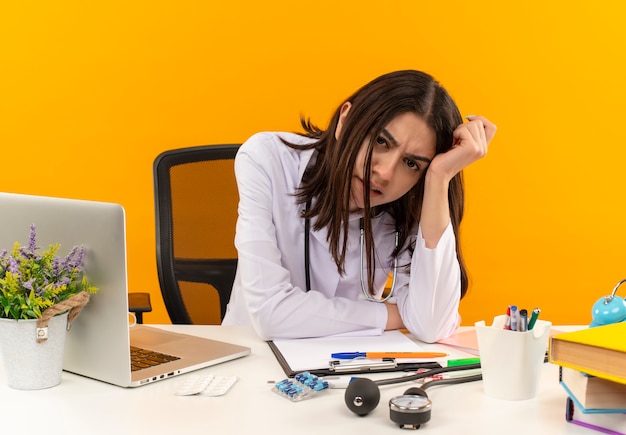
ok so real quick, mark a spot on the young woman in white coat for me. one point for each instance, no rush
(326, 215)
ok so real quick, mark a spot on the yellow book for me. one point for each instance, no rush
(599, 351)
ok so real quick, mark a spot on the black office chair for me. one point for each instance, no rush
(196, 202)
(139, 303)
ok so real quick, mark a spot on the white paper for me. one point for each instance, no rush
(314, 353)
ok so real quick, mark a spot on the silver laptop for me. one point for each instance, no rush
(99, 343)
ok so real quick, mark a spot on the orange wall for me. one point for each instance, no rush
(91, 92)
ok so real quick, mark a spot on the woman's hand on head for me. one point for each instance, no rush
(470, 143)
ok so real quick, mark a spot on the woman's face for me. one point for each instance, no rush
(401, 154)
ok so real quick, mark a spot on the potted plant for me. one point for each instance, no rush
(39, 294)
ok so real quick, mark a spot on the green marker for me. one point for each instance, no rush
(533, 318)
(463, 362)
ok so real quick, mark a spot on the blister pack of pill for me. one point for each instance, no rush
(302, 386)
(205, 385)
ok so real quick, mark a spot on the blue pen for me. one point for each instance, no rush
(348, 355)
(514, 317)
(352, 355)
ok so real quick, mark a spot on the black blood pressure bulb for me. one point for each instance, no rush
(362, 396)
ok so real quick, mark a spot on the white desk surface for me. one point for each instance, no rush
(83, 406)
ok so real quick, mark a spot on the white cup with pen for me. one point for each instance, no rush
(512, 352)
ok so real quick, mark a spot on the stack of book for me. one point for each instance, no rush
(592, 370)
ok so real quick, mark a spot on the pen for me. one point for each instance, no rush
(533, 318)
(514, 317)
(522, 325)
(507, 318)
(352, 355)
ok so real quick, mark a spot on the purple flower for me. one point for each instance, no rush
(29, 284)
(30, 252)
(74, 259)
(51, 278)
(63, 281)
(69, 262)
(56, 266)
(13, 266)
(32, 244)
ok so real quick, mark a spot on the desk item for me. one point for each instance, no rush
(302, 386)
(522, 326)
(533, 318)
(362, 396)
(99, 343)
(514, 318)
(205, 385)
(219, 385)
(599, 351)
(511, 361)
(462, 362)
(609, 309)
(593, 394)
(193, 385)
(410, 410)
(362, 365)
(608, 423)
(463, 340)
(507, 318)
(313, 354)
(414, 355)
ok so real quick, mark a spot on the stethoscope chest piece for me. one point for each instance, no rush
(410, 410)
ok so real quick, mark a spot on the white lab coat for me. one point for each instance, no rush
(269, 292)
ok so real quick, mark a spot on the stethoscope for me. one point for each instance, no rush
(307, 260)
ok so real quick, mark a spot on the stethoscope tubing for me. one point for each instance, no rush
(362, 266)
(366, 294)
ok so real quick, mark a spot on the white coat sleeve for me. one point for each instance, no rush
(429, 302)
(275, 306)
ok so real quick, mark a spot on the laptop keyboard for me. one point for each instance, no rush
(143, 358)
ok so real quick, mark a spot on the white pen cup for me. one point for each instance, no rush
(512, 361)
(132, 319)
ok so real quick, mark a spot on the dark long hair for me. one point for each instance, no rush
(329, 178)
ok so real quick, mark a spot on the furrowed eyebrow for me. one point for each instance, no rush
(393, 140)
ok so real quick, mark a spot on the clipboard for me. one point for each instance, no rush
(326, 366)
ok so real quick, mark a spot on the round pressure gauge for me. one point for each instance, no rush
(410, 410)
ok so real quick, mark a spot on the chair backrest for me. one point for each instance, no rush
(196, 202)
